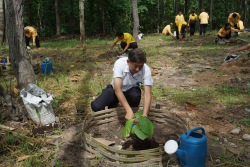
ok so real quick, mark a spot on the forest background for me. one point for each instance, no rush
(53, 17)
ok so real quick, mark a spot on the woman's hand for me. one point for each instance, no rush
(129, 115)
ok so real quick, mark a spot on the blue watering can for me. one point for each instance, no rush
(193, 148)
(47, 67)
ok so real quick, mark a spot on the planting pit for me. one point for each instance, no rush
(102, 136)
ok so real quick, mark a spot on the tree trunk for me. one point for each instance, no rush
(176, 6)
(5, 26)
(211, 15)
(152, 19)
(82, 27)
(71, 16)
(186, 10)
(28, 11)
(202, 4)
(136, 20)
(246, 14)
(103, 19)
(158, 19)
(18, 53)
(13, 108)
(1, 23)
(164, 10)
(240, 7)
(174, 10)
(57, 18)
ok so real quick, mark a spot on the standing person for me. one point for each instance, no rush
(203, 21)
(225, 32)
(125, 86)
(31, 32)
(192, 20)
(179, 17)
(233, 19)
(127, 41)
(180, 30)
(167, 30)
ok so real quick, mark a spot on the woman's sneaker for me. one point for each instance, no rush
(226, 40)
(28, 47)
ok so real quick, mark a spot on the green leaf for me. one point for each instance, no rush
(139, 133)
(133, 129)
(146, 125)
(138, 114)
(154, 125)
(127, 128)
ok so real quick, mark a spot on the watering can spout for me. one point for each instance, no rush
(182, 155)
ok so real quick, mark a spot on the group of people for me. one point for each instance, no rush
(181, 24)
(233, 24)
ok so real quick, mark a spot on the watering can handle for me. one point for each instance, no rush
(195, 129)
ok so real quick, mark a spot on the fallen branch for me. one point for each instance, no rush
(6, 127)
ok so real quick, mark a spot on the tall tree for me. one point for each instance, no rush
(164, 9)
(136, 20)
(202, 4)
(28, 11)
(71, 16)
(158, 19)
(18, 53)
(211, 14)
(240, 7)
(186, 10)
(176, 6)
(246, 14)
(103, 18)
(82, 27)
(58, 31)
(1, 23)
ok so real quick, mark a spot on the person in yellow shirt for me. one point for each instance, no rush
(192, 21)
(167, 30)
(179, 17)
(180, 30)
(240, 25)
(225, 32)
(233, 18)
(127, 41)
(241, 49)
(31, 32)
(203, 21)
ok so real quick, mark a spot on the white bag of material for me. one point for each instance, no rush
(36, 99)
(231, 58)
(175, 33)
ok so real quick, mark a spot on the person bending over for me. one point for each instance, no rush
(241, 49)
(225, 32)
(233, 19)
(127, 41)
(167, 30)
(180, 30)
(192, 20)
(203, 21)
(128, 74)
(31, 32)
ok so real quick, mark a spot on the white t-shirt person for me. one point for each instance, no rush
(128, 73)
(121, 70)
